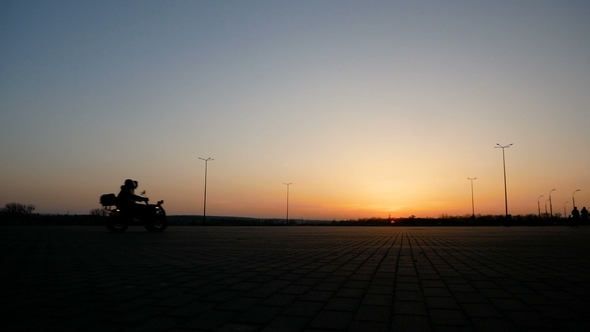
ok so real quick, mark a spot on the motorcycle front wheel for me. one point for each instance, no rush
(157, 224)
(116, 224)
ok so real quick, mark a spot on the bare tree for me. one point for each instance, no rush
(17, 211)
(98, 212)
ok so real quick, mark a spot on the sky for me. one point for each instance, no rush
(369, 108)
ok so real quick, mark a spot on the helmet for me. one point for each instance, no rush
(129, 183)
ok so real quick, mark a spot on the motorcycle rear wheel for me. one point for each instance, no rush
(116, 225)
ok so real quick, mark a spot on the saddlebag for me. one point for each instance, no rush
(108, 200)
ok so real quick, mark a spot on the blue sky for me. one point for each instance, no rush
(369, 108)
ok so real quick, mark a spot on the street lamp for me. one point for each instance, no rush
(205, 195)
(288, 184)
(472, 204)
(504, 164)
(551, 202)
(565, 213)
(546, 213)
(573, 199)
(539, 206)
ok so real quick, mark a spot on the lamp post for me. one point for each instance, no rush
(564, 210)
(472, 203)
(546, 213)
(539, 205)
(205, 195)
(573, 198)
(504, 164)
(288, 184)
(551, 202)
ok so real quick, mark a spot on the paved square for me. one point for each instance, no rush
(295, 279)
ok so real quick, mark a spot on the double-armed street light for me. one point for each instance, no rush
(539, 206)
(551, 203)
(504, 164)
(205, 195)
(546, 213)
(472, 203)
(288, 184)
(573, 199)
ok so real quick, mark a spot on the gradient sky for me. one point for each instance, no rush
(369, 108)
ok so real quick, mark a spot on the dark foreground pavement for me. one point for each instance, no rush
(295, 279)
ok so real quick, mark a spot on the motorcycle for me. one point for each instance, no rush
(151, 216)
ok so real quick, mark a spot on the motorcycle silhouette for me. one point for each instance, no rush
(150, 216)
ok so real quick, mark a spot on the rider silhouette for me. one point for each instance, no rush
(127, 198)
(576, 216)
(584, 214)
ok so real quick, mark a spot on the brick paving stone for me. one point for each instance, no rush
(320, 296)
(239, 304)
(495, 293)
(296, 290)
(234, 327)
(534, 299)
(429, 283)
(408, 296)
(411, 323)
(191, 310)
(406, 286)
(380, 289)
(160, 323)
(493, 325)
(138, 315)
(303, 308)
(441, 303)
(287, 324)
(531, 319)
(343, 304)
(330, 319)
(405, 279)
(108, 327)
(509, 304)
(361, 326)
(351, 293)
(222, 296)
(177, 300)
(327, 286)
(449, 317)
(373, 313)
(439, 291)
(69, 278)
(377, 300)
(461, 288)
(409, 308)
(557, 312)
(280, 299)
(480, 310)
(258, 314)
(209, 321)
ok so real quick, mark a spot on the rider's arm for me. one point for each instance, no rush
(139, 198)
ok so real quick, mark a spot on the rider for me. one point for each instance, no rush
(127, 197)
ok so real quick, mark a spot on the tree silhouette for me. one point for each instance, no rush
(98, 212)
(17, 211)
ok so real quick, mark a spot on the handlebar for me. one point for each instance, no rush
(159, 202)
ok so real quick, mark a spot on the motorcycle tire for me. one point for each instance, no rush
(157, 225)
(116, 225)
